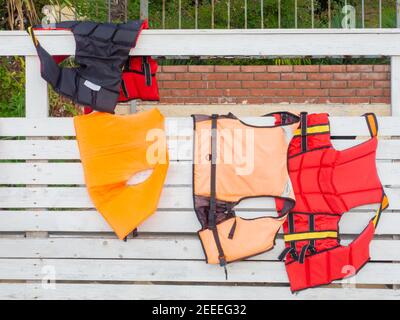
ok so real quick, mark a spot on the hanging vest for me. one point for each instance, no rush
(102, 50)
(113, 148)
(326, 184)
(234, 161)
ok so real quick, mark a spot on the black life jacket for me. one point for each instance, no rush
(102, 50)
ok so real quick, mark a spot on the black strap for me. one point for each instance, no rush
(303, 124)
(311, 222)
(146, 70)
(232, 232)
(213, 203)
(124, 88)
(303, 253)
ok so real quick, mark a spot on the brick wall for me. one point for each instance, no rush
(275, 84)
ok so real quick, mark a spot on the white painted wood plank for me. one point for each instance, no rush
(162, 222)
(178, 149)
(36, 96)
(226, 42)
(395, 84)
(171, 197)
(173, 270)
(162, 248)
(179, 173)
(184, 292)
(340, 126)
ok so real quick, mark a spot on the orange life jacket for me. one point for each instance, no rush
(233, 161)
(113, 148)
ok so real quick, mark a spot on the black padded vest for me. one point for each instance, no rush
(102, 49)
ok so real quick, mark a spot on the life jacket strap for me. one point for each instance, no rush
(303, 131)
(213, 201)
(372, 123)
(310, 235)
(313, 130)
(384, 205)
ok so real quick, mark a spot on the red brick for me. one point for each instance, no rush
(209, 92)
(214, 76)
(342, 92)
(280, 68)
(255, 100)
(164, 93)
(315, 92)
(330, 100)
(307, 84)
(356, 100)
(236, 92)
(280, 84)
(220, 100)
(176, 84)
(375, 76)
(333, 84)
(240, 76)
(332, 68)
(306, 68)
(360, 84)
(289, 92)
(197, 100)
(228, 84)
(346, 76)
(382, 84)
(386, 92)
(201, 68)
(293, 76)
(320, 76)
(380, 100)
(202, 84)
(381, 68)
(255, 84)
(227, 68)
(263, 92)
(267, 76)
(188, 76)
(174, 68)
(359, 68)
(165, 76)
(253, 68)
(183, 93)
(172, 100)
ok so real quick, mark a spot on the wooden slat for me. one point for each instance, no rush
(340, 126)
(179, 173)
(254, 42)
(163, 248)
(174, 270)
(178, 149)
(162, 222)
(77, 197)
(184, 292)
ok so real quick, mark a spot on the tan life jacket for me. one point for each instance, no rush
(113, 148)
(234, 161)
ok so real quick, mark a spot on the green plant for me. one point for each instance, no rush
(12, 86)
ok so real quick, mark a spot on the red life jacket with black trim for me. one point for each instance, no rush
(106, 74)
(328, 183)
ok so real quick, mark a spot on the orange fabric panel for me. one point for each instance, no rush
(113, 148)
(251, 237)
(251, 161)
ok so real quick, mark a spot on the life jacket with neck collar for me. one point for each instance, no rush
(106, 74)
(233, 161)
(327, 183)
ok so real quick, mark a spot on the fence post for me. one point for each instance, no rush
(144, 9)
(36, 94)
(395, 85)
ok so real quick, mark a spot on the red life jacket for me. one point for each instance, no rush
(327, 183)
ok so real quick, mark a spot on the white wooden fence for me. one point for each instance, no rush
(49, 230)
